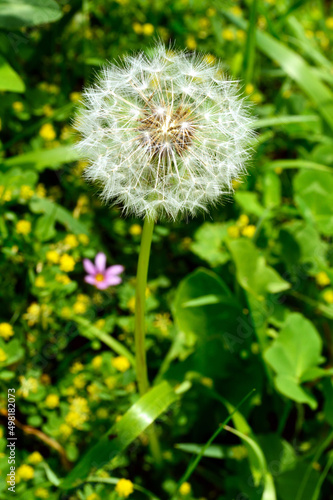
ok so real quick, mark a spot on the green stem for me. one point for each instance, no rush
(139, 328)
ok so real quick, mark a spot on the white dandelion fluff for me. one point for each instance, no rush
(164, 135)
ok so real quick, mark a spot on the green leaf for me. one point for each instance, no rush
(274, 121)
(313, 192)
(13, 351)
(253, 274)
(249, 203)
(9, 79)
(43, 158)
(303, 164)
(209, 243)
(61, 215)
(15, 14)
(295, 66)
(293, 356)
(44, 229)
(133, 423)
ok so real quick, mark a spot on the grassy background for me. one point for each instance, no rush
(237, 301)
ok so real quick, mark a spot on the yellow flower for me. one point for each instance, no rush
(82, 297)
(102, 413)
(148, 29)
(6, 331)
(208, 382)
(249, 231)
(328, 296)
(25, 472)
(76, 367)
(256, 97)
(79, 381)
(47, 132)
(32, 314)
(40, 282)
(240, 34)
(135, 229)
(53, 256)
(120, 363)
(236, 11)
(185, 489)
(40, 190)
(67, 263)
(228, 34)
(83, 238)
(41, 493)
(5, 194)
(243, 220)
(97, 362)
(47, 110)
(52, 401)
(3, 356)
(131, 304)
(63, 279)
(137, 27)
(65, 430)
(210, 59)
(75, 96)
(322, 279)
(93, 496)
(35, 458)
(78, 413)
(100, 324)
(27, 385)
(191, 43)
(124, 488)
(110, 382)
(71, 241)
(163, 322)
(23, 227)
(66, 312)
(79, 307)
(249, 88)
(26, 192)
(211, 12)
(329, 23)
(18, 106)
(233, 231)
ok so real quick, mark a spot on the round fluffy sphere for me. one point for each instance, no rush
(165, 134)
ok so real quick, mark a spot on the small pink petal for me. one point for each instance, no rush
(100, 262)
(102, 285)
(112, 280)
(90, 279)
(89, 266)
(114, 270)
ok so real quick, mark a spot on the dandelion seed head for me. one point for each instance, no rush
(164, 134)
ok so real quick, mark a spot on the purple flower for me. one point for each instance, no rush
(99, 275)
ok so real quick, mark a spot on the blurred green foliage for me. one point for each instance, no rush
(241, 301)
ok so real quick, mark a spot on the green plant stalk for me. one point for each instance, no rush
(139, 327)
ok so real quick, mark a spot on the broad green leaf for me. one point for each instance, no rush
(253, 274)
(249, 203)
(61, 215)
(15, 14)
(295, 66)
(115, 441)
(13, 351)
(209, 243)
(302, 164)
(275, 121)
(313, 192)
(44, 229)
(206, 311)
(293, 356)
(44, 158)
(9, 79)
(271, 189)
(16, 177)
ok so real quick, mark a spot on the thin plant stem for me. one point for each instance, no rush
(139, 328)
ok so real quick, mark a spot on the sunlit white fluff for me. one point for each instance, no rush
(165, 134)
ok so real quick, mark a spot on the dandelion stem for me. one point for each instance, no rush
(139, 329)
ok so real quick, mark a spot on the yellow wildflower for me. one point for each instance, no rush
(25, 472)
(47, 132)
(328, 296)
(137, 27)
(27, 385)
(249, 88)
(65, 430)
(67, 263)
(71, 241)
(79, 307)
(41, 493)
(163, 322)
(23, 227)
(240, 34)
(18, 106)
(124, 488)
(185, 489)
(233, 231)
(47, 110)
(135, 229)
(228, 34)
(6, 331)
(79, 381)
(110, 382)
(52, 401)
(249, 231)
(75, 96)
(210, 59)
(63, 279)
(211, 12)
(148, 29)
(78, 413)
(100, 323)
(3, 356)
(53, 256)
(40, 282)
(35, 458)
(26, 192)
(65, 312)
(5, 194)
(83, 238)
(243, 220)
(191, 43)
(97, 362)
(329, 23)
(40, 190)
(236, 10)
(121, 363)
(93, 496)
(102, 413)
(76, 367)
(322, 279)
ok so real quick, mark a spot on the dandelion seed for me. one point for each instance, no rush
(164, 135)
